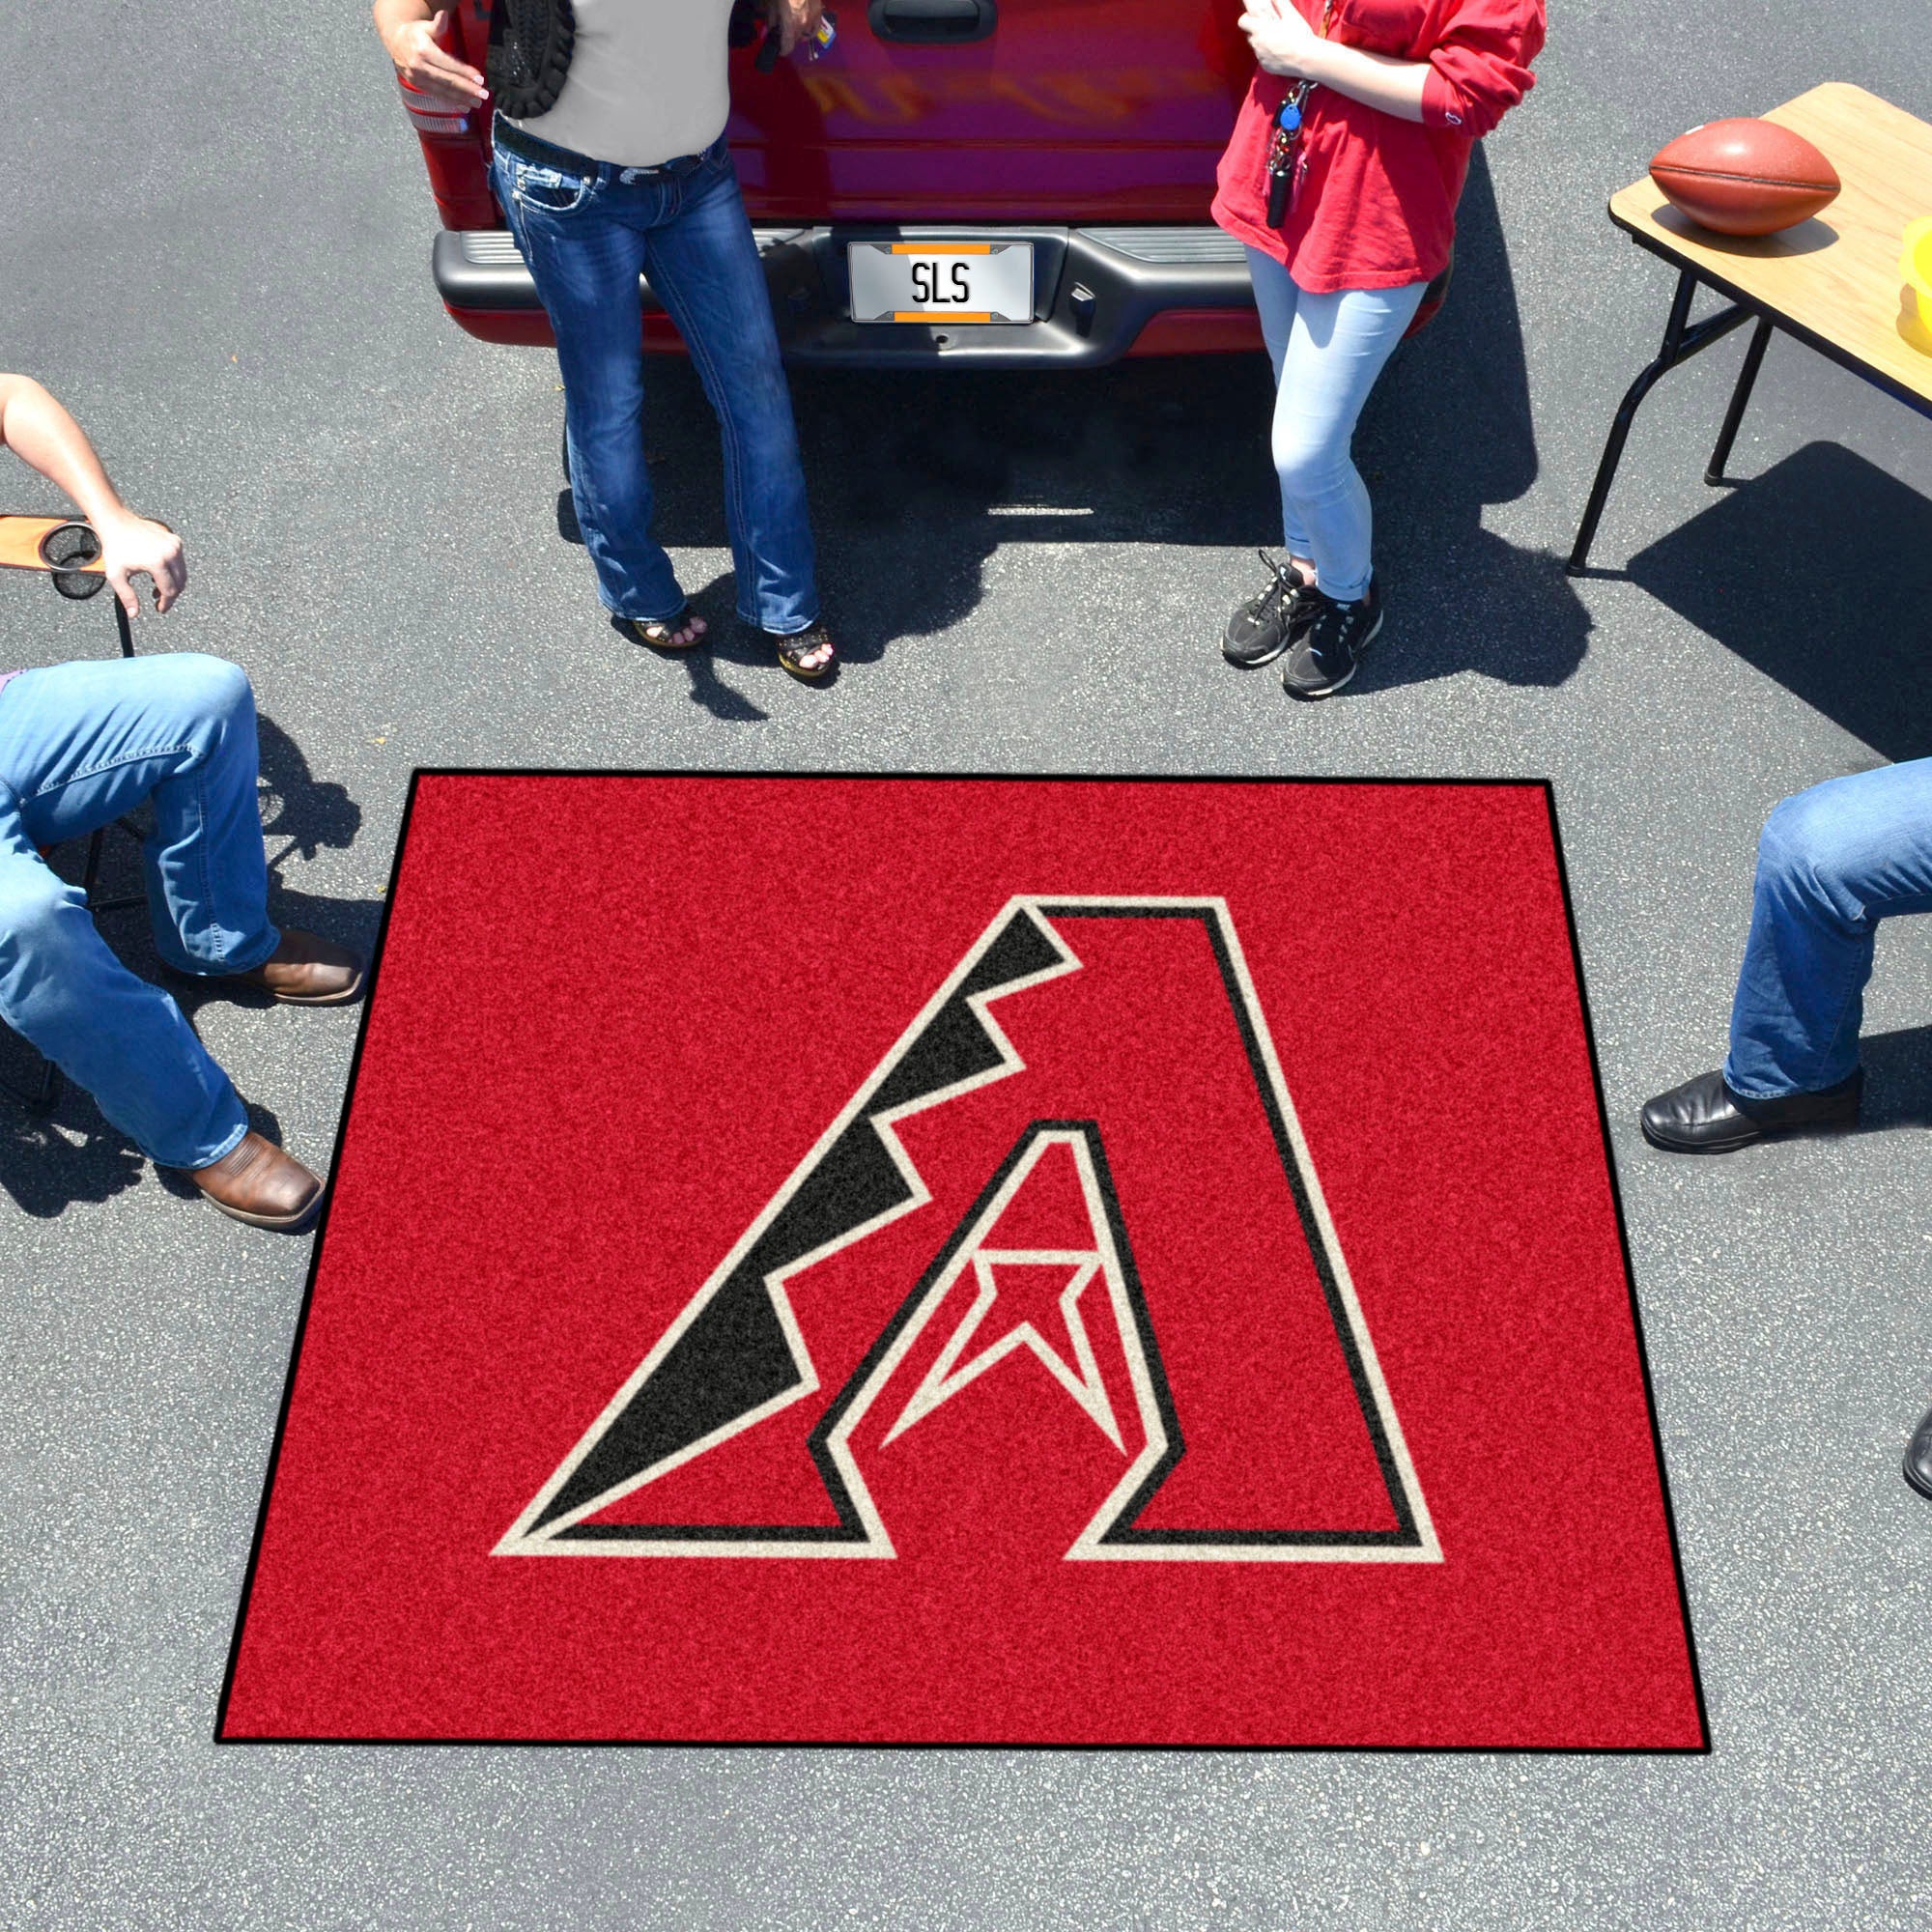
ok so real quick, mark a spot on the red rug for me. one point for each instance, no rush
(897, 1260)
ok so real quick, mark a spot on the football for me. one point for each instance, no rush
(1745, 176)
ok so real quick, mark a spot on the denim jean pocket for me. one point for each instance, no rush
(549, 190)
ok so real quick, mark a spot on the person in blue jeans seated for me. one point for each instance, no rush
(609, 161)
(80, 746)
(1832, 862)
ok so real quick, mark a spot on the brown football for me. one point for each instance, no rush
(1745, 176)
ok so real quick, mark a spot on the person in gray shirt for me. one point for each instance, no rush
(609, 162)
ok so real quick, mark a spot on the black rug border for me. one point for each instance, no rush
(1459, 781)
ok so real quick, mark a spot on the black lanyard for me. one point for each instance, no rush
(1287, 138)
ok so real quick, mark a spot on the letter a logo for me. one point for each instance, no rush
(1059, 1277)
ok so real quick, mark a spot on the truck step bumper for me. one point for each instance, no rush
(1095, 290)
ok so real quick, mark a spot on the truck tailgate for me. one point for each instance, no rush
(1067, 110)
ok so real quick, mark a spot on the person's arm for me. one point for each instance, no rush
(1470, 81)
(1285, 43)
(794, 20)
(46, 437)
(407, 32)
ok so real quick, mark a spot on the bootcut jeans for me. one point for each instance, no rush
(81, 745)
(1832, 863)
(587, 237)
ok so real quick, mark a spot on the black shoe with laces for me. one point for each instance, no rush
(1325, 656)
(1264, 626)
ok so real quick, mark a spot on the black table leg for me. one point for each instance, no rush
(1714, 472)
(1682, 340)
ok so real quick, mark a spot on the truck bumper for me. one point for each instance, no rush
(1100, 294)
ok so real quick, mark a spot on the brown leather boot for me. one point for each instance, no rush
(307, 970)
(257, 1182)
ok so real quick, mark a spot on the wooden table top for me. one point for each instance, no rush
(20, 539)
(1835, 278)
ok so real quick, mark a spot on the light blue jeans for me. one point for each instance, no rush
(1327, 352)
(80, 745)
(586, 238)
(1831, 864)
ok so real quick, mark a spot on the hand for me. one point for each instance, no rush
(131, 546)
(794, 21)
(427, 67)
(1284, 42)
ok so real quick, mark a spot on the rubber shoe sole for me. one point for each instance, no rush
(350, 992)
(1244, 662)
(1741, 1139)
(232, 982)
(279, 1224)
(1329, 690)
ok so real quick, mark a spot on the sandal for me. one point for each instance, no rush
(797, 645)
(661, 633)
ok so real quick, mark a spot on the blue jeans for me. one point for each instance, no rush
(81, 744)
(587, 238)
(1832, 863)
(1327, 352)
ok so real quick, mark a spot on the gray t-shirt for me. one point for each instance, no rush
(646, 81)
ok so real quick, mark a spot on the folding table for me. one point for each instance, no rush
(1832, 282)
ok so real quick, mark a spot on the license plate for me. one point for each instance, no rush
(941, 281)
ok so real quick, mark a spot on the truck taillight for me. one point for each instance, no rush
(432, 117)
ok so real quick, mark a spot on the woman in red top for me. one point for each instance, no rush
(1342, 178)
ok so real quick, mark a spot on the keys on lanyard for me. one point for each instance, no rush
(1286, 137)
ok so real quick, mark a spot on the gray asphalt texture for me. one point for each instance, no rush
(214, 246)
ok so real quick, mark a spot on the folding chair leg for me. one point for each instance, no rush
(90, 873)
(45, 1095)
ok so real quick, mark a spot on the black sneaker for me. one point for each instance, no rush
(1325, 656)
(1264, 626)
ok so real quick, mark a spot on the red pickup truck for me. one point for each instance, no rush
(1021, 183)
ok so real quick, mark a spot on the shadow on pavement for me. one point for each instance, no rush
(47, 1165)
(1899, 1078)
(726, 639)
(48, 1162)
(916, 477)
(308, 812)
(1446, 432)
(1848, 636)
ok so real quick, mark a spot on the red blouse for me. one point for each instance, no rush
(1373, 205)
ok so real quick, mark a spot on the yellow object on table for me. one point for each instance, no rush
(1914, 311)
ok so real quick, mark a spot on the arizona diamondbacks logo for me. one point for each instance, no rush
(1040, 1266)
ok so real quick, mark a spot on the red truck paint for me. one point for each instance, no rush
(1071, 112)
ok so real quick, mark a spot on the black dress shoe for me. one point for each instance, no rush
(1919, 1456)
(1703, 1115)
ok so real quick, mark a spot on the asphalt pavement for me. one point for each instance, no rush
(214, 245)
